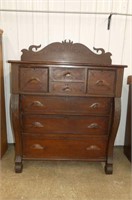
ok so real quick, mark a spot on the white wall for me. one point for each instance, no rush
(24, 29)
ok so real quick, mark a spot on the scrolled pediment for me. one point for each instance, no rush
(66, 52)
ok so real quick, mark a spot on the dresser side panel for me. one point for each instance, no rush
(15, 78)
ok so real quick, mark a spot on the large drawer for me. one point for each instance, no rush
(33, 79)
(67, 88)
(67, 74)
(101, 82)
(65, 105)
(39, 147)
(65, 124)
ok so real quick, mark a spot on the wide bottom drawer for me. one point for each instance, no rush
(39, 147)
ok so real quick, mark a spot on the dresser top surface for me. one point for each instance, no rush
(64, 64)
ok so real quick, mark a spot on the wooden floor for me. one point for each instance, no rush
(65, 180)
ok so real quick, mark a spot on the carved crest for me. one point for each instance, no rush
(66, 52)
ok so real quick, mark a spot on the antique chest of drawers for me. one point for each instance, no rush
(65, 104)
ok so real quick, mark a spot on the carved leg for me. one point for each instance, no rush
(18, 164)
(113, 132)
(108, 168)
(15, 116)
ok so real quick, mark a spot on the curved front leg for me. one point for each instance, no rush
(16, 130)
(113, 133)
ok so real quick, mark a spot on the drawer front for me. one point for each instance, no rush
(34, 79)
(38, 147)
(67, 74)
(101, 82)
(67, 88)
(65, 105)
(65, 124)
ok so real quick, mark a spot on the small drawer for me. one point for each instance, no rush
(67, 88)
(67, 74)
(65, 124)
(33, 79)
(39, 147)
(101, 82)
(65, 105)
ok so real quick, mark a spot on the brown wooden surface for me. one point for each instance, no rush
(37, 147)
(66, 52)
(65, 104)
(67, 88)
(65, 124)
(3, 136)
(128, 132)
(67, 74)
(113, 132)
(15, 115)
(129, 80)
(33, 79)
(101, 81)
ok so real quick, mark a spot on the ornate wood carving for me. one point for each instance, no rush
(66, 52)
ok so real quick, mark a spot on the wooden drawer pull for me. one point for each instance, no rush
(37, 146)
(93, 147)
(37, 125)
(66, 89)
(95, 105)
(37, 103)
(34, 80)
(100, 83)
(93, 126)
(68, 75)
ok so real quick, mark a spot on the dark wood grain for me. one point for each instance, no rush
(14, 81)
(101, 82)
(118, 83)
(66, 52)
(67, 74)
(36, 104)
(37, 147)
(67, 88)
(15, 115)
(65, 124)
(33, 79)
(114, 128)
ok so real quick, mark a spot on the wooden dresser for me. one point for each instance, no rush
(3, 134)
(65, 104)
